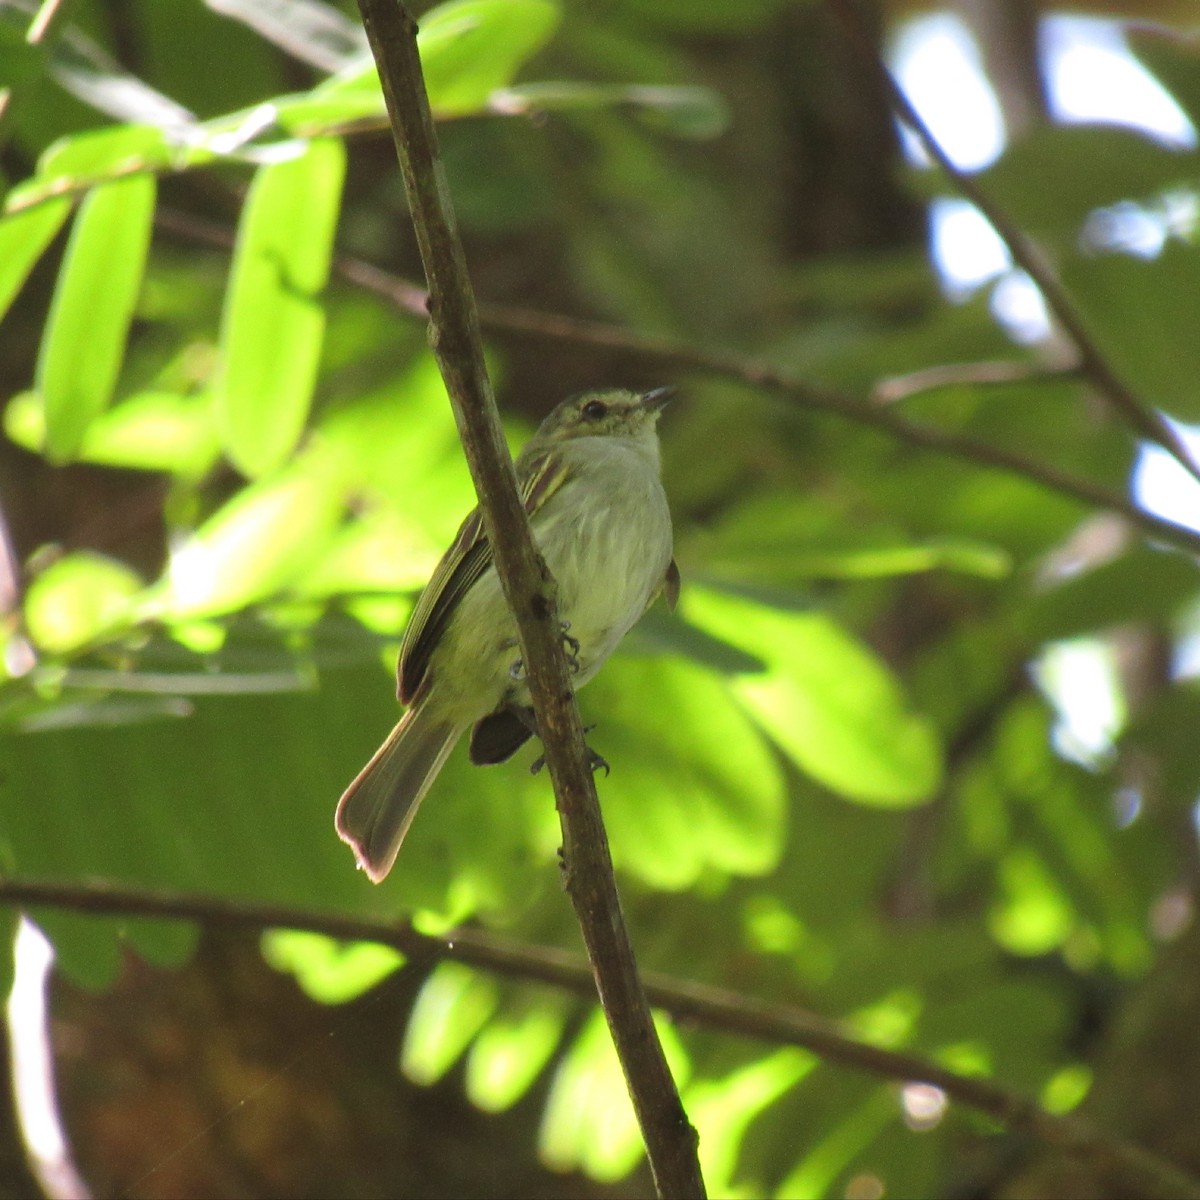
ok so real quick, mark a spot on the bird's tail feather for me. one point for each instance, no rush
(376, 810)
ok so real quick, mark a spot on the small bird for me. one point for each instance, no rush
(590, 482)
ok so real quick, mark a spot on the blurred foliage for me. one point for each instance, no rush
(841, 777)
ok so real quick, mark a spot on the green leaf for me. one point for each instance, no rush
(469, 48)
(1136, 310)
(684, 111)
(9, 920)
(84, 342)
(1066, 1089)
(513, 1047)
(273, 324)
(721, 1110)
(199, 787)
(23, 239)
(1033, 915)
(264, 538)
(825, 1162)
(453, 1006)
(1171, 56)
(589, 1123)
(1050, 180)
(1142, 585)
(79, 598)
(150, 431)
(87, 949)
(330, 971)
(164, 943)
(787, 539)
(671, 633)
(334, 104)
(697, 788)
(828, 702)
(95, 157)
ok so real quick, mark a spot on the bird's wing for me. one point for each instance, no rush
(469, 556)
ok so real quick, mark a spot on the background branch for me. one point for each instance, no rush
(715, 1008)
(454, 333)
(666, 355)
(1143, 419)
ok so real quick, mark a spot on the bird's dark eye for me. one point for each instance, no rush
(593, 410)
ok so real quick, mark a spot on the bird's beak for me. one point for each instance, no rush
(658, 399)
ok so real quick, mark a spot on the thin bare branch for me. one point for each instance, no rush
(694, 1003)
(991, 373)
(454, 332)
(1142, 418)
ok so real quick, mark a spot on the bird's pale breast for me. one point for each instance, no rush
(606, 537)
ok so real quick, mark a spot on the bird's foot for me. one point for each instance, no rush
(595, 760)
(571, 648)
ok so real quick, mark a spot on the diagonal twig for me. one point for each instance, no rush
(1143, 419)
(713, 1007)
(454, 332)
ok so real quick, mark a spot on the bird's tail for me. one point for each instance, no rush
(376, 810)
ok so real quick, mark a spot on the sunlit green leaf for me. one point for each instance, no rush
(330, 971)
(333, 105)
(259, 542)
(1066, 1089)
(152, 431)
(721, 1110)
(514, 1046)
(84, 342)
(453, 1006)
(669, 631)
(695, 785)
(96, 156)
(827, 701)
(589, 1122)
(1032, 916)
(825, 1162)
(77, 599)
(23, 239)
(273, 324)
(471, 47)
